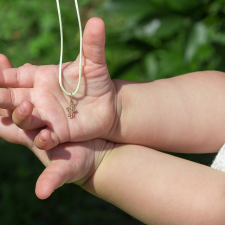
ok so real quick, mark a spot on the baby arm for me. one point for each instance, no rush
(183, 113)
(153, 187)
(157, 188)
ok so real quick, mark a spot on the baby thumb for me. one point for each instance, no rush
(53, 177)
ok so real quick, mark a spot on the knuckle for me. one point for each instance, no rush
(12, 96)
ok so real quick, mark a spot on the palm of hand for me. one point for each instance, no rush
(68, 162)
(95, 101)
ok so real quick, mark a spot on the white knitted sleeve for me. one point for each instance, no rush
(219, 161)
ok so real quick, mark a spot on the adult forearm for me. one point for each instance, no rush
(157, 188)
(184, 113)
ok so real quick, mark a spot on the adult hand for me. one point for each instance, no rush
(42, 104)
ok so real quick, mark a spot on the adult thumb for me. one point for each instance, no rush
(94, 41)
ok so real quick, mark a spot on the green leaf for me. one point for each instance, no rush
(197, 38)
(152, 66)
(169, 25)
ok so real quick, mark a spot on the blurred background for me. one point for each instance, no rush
(145, 40)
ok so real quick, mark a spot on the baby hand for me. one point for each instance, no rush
(66, 163)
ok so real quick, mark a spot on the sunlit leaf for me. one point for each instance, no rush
(152, 66)
(197, 38)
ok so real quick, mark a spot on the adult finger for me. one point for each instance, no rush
(11, 98)
(6, 112)
(18, 77)
(8, 130)
(11, 133)
(5, 62)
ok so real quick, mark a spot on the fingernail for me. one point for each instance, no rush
(41, 138)
(21, 109)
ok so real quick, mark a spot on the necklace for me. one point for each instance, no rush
(71, 109)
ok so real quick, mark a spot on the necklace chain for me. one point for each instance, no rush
(61, 50)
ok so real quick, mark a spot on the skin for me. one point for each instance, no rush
(181, 114)
(129, 176)
(38, 89)
(186, 112)
(147, 184)
(157, 188)
(66, 163)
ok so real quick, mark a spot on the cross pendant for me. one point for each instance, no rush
(71, 109)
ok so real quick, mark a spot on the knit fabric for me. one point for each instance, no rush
(219, 161)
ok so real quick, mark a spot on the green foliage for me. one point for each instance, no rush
(145, 40)
(164, 38)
